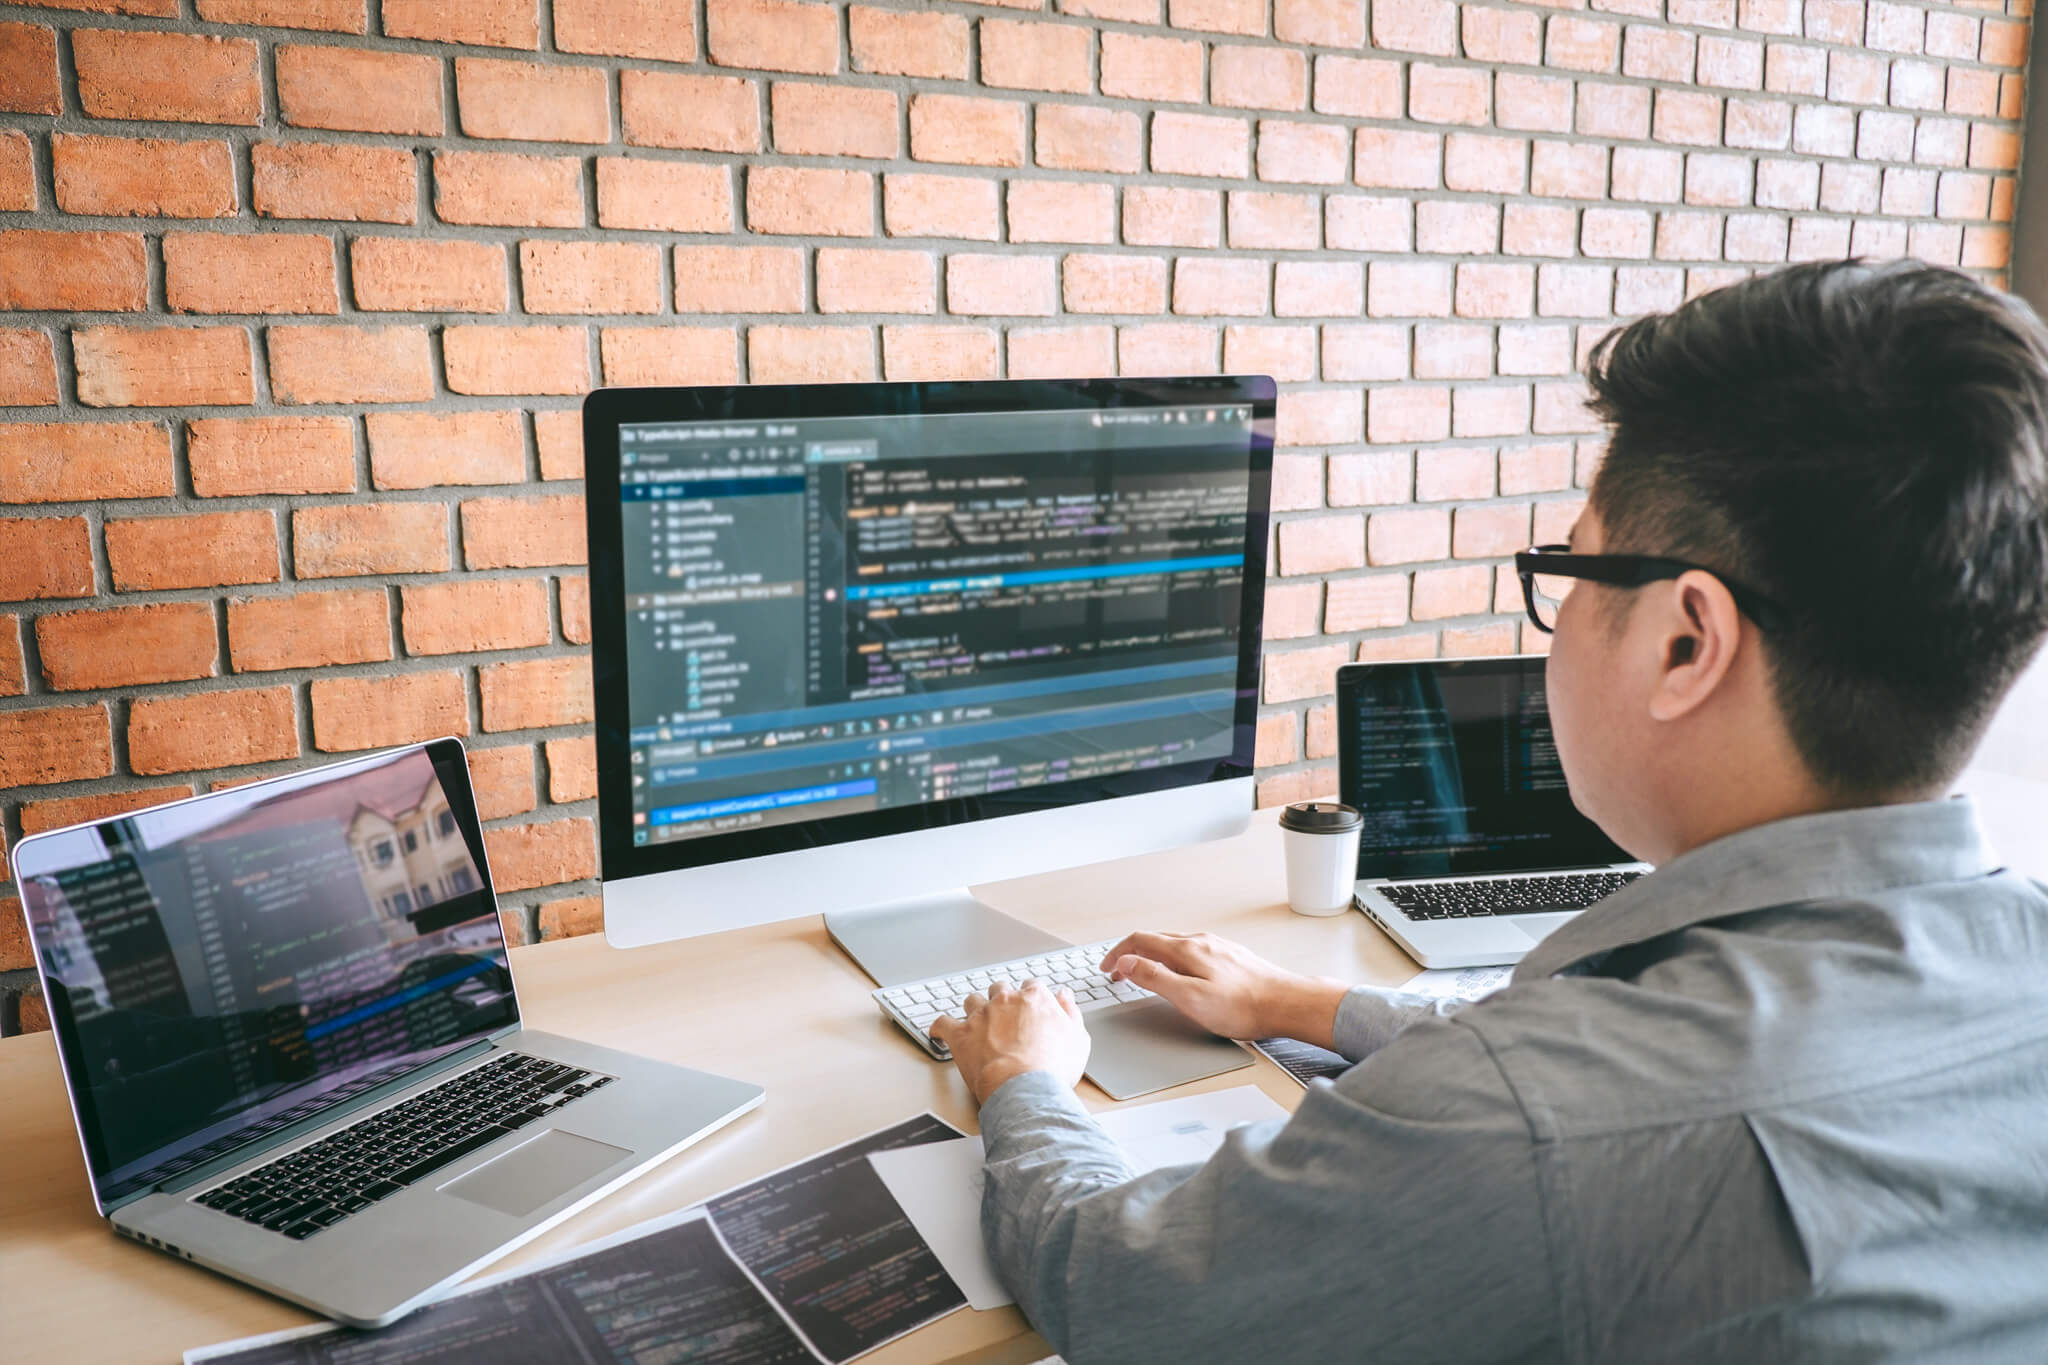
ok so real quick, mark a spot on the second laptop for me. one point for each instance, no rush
(1472, 850)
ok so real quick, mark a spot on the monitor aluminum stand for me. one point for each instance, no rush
(927, 936)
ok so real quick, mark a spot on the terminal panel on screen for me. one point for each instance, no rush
(833, 615)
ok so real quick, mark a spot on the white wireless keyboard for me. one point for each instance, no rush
(915, 1004)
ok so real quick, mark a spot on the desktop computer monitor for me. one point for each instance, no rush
(859, 645)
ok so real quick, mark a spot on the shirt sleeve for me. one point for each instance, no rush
(1395, 1202)
(1370, 1017)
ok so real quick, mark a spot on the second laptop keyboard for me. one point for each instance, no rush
(915, 1004)
(1479, 897)
(345, 1172)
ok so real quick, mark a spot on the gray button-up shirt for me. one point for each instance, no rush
(1784, 1099)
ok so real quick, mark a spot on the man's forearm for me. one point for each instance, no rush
(1044, 1153)
(1370, 1017)
(1305, 1008)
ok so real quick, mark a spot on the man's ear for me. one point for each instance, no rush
(1699, 642)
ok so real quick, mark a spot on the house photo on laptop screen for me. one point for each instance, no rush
(226, 964)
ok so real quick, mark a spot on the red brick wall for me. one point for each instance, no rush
(300, 296)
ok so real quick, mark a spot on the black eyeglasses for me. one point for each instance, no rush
(1547, 572)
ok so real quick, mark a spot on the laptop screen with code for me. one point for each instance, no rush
(1455, 768)
(223, 967)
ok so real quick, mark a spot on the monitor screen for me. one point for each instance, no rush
(1454, 766)
(859, 609)
(226, 966)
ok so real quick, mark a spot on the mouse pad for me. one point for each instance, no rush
(535, 1172)
(1149, 1045)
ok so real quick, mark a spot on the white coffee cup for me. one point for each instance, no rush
(1321, 839)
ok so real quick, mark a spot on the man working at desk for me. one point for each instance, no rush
(1785, 1098)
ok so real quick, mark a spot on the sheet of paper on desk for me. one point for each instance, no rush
(1460, 983)
(938, 1184)
(674, 1289)
(1304, 1062)
(832, 1250)
(1174, 1132)
(938, 1187)
(660, 1294)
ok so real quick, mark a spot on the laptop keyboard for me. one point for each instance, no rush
(345, 1172)
(1547, 893)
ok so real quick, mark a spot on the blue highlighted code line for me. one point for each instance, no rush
(743, 805)
(974, 582)
(392, 1002)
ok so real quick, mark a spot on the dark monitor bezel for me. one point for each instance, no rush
(606, 410)
(451, 769)
(1350, 677)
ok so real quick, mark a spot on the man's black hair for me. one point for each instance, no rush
(1868, 446)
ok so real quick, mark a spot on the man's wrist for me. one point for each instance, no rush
(992, 1077)
(1305, 1008)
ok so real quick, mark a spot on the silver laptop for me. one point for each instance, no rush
(1472, 850)
(293, 1047)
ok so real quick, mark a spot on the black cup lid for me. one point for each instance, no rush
(1321, 817)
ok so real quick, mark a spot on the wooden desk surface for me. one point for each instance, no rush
(778, 1005)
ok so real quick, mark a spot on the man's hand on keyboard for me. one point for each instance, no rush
(1013, 1031)
(1227, 988)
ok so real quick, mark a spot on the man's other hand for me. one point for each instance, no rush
(1013, 1031)
(1227, 988)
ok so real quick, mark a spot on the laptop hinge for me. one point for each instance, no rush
(1586, 870)
(354, 1104)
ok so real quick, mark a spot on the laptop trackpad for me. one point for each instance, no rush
(1542, 926)
(535, 1172)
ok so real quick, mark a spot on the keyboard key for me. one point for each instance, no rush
(1075, 969)
(434, 1161)
(1505, 895)
(345, 1172)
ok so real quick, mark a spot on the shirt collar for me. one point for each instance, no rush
(1831, 855)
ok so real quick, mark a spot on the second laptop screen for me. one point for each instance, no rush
(1456, 770)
